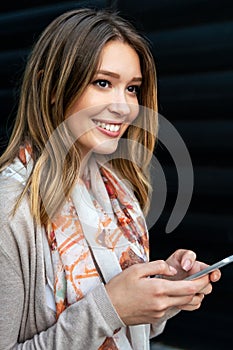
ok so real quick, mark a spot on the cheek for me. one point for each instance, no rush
(134, 113)
(78, 124)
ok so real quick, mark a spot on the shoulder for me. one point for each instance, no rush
(16, 229)
(9, 187)
(10, 190)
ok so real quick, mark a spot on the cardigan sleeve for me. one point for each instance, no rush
(99, 319)
(83, 325)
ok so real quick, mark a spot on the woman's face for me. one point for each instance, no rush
(109, 103)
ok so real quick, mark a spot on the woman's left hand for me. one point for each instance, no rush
(186, 264)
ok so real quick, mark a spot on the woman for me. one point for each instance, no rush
(74, 186)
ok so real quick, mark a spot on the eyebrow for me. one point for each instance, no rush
(115, 75)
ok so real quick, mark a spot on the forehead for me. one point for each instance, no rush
(119, 56)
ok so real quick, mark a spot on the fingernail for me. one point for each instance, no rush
(172, 269)
(187, 265)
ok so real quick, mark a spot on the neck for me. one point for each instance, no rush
(84, 160)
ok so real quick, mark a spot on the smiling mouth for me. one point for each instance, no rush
(108, 126)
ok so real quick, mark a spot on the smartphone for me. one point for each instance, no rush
(211, 268)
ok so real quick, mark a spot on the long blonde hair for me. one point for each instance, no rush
(62, 63)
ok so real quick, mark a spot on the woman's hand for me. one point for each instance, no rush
(139, 299)
(186, 264)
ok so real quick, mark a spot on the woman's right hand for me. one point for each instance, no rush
(140, 300)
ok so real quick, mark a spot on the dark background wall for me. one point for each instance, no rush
(192, 42)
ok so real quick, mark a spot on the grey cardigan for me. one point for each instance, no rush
(26, 321)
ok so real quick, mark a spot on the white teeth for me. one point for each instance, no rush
(109, 127)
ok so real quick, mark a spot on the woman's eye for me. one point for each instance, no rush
(134, 89)
(102, 83)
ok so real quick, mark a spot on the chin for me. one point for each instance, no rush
(105, 151)
(107, 147)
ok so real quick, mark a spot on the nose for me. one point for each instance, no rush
(119, 105)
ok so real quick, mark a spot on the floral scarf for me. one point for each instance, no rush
(99, 231)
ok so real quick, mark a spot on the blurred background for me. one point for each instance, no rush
(192, 43)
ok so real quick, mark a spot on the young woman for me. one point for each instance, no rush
(75, 270)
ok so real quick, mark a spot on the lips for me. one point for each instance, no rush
(112, 127)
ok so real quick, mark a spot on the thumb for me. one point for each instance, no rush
(158, 267)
